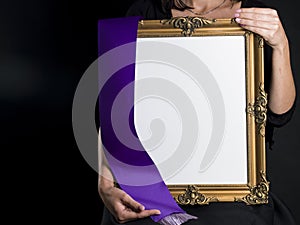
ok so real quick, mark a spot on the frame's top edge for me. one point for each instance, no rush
(188, 25)
(168, 23)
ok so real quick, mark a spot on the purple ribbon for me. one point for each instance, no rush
(130, 163)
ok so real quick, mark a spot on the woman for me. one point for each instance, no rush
(256, 17)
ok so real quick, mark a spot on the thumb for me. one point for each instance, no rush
(132, 204)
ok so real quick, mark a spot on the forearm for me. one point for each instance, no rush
(105, 178)
(105, 181)
(282, 89)
(120, 204)
(266, 22)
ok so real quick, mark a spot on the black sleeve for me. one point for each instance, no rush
(275, 120)
(278, 120)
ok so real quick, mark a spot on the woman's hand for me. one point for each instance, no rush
(265, 22)
(120, 204)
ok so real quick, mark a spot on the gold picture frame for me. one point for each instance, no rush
(255, 189)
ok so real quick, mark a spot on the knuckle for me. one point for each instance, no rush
(276, 27)
(120, 217)
(277, 19)
(123, 196)
(274, 12)
(120, 221)
(271, 36)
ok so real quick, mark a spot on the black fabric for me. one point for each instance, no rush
(225, 213)
(149, 9)
(152, 9)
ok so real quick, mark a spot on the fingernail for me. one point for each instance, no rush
(142, 207)
(158, 212)
(237, 20)
(236, 15)
(238, 10)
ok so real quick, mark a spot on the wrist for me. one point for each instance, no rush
(282, 47)
(105, 185)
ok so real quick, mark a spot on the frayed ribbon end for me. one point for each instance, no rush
(176, 219)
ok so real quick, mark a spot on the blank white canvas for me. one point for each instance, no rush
(224, 57)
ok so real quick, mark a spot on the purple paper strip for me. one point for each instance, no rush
(115, 33)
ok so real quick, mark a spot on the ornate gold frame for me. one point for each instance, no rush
(257, 187)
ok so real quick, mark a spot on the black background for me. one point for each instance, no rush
(45, 47)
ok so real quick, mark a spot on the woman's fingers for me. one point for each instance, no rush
(268, 26)
(257, 17)
(125, 208)
(267, 11)
(263, 21)
(142, 214)
(128, 215)
(266, 29)
(258, 14)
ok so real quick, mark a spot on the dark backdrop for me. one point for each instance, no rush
(45, 47)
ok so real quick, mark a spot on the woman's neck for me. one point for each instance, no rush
(204, 4)
(213, 9)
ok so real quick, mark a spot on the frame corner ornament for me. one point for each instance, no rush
(258, 194)
(188, 24)
(247, 33)
(192, 196)
(258, 109)
(260, 42)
